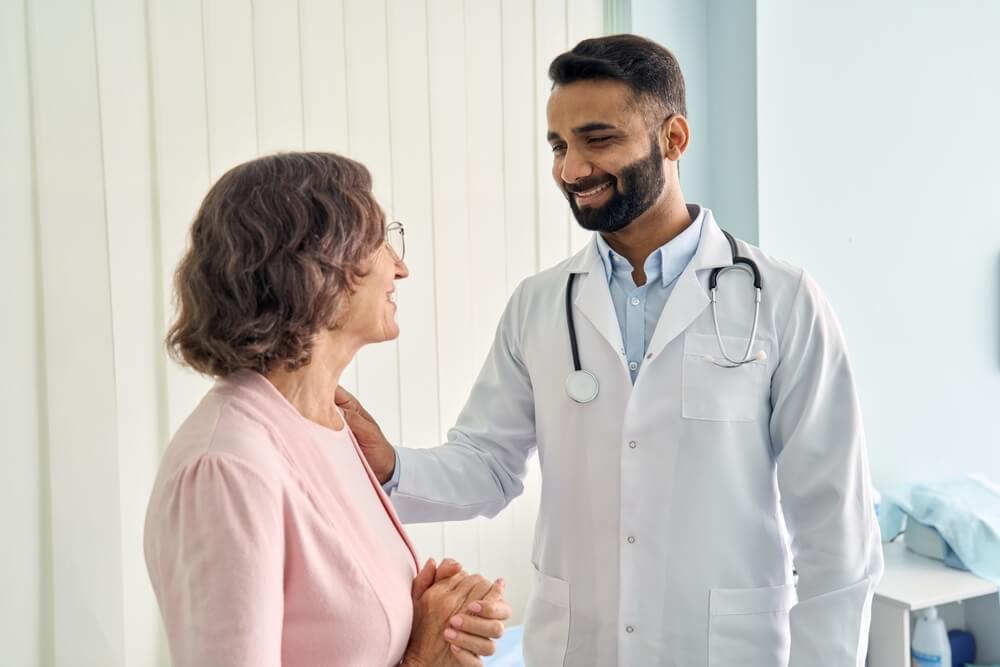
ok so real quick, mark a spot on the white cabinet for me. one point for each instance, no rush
(913, 582)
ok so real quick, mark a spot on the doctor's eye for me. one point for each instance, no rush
(558, 149)
(598, 141)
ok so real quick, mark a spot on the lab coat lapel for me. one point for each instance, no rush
(593, 298)
(690, 296)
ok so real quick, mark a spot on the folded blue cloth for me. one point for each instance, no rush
(508, 653)
(965, 511)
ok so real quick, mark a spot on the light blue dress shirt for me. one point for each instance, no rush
(638, 308)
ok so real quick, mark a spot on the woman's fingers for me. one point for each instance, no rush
(460, 583)
(424, 579)
(496, 609)
(465, 658)
(469, 642)
(480, 587)
(447, 568)
(481, 627)
(496, 590)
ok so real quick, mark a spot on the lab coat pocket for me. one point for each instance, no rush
(749, 626)
(546, 622)
(712, 393)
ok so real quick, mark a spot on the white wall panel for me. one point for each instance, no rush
(519, 140)
(324, 75)
(78, 342)
(24, 601)
(132, 246)
(230, 84)
(484, 148)
(277, 62)
(453, 250)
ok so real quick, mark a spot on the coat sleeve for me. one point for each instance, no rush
(482, 466)
(823, 478)
(215, 552)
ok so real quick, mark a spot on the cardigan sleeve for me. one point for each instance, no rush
(215, 551)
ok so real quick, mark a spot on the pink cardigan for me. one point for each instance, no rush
(270, 542)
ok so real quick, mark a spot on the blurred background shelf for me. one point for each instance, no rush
(911, 583)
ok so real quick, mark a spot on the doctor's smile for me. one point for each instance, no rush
(589, 197)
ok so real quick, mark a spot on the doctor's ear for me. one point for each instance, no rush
(674, 136)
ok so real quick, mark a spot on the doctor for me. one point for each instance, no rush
(677, 500)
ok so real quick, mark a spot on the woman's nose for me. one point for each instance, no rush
(402, 271)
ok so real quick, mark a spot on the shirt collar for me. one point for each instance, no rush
(668, 261)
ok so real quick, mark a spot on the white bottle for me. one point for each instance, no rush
(930, 647)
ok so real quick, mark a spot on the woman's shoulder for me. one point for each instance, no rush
(228, 428)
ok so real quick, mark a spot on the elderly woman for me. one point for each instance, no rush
(268, 539)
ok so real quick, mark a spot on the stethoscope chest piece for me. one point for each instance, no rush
(581, 386)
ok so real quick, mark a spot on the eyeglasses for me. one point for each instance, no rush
(396, 239)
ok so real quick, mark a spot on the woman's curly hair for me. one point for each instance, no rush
(274, 255)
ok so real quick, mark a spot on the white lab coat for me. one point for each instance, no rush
(672, 510)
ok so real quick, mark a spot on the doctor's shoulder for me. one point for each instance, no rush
(789, 289)
(542, 290)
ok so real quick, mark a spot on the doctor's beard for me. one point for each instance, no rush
(641, 185)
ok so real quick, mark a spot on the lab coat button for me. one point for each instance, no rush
(629, 629)
(632, 444)
(631, 540)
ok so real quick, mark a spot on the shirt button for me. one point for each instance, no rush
(631, 540)
(635, 301)
(629, 629)
(632, 365)
(632, 444)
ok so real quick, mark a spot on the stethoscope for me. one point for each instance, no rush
(582, 386)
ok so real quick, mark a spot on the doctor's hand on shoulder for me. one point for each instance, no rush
(447, 626)
(380, 454)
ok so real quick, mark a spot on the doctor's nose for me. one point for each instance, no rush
(573, 168)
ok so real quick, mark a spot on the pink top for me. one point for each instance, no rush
(270, 542)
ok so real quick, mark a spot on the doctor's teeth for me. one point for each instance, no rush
(593, 191)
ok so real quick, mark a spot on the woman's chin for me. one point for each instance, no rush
(388, 333)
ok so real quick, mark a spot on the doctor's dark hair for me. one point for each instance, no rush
(650, 71)
(274, 254)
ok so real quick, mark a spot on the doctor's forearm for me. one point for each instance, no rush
(451, 483)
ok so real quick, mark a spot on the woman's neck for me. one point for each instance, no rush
(311, 388)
